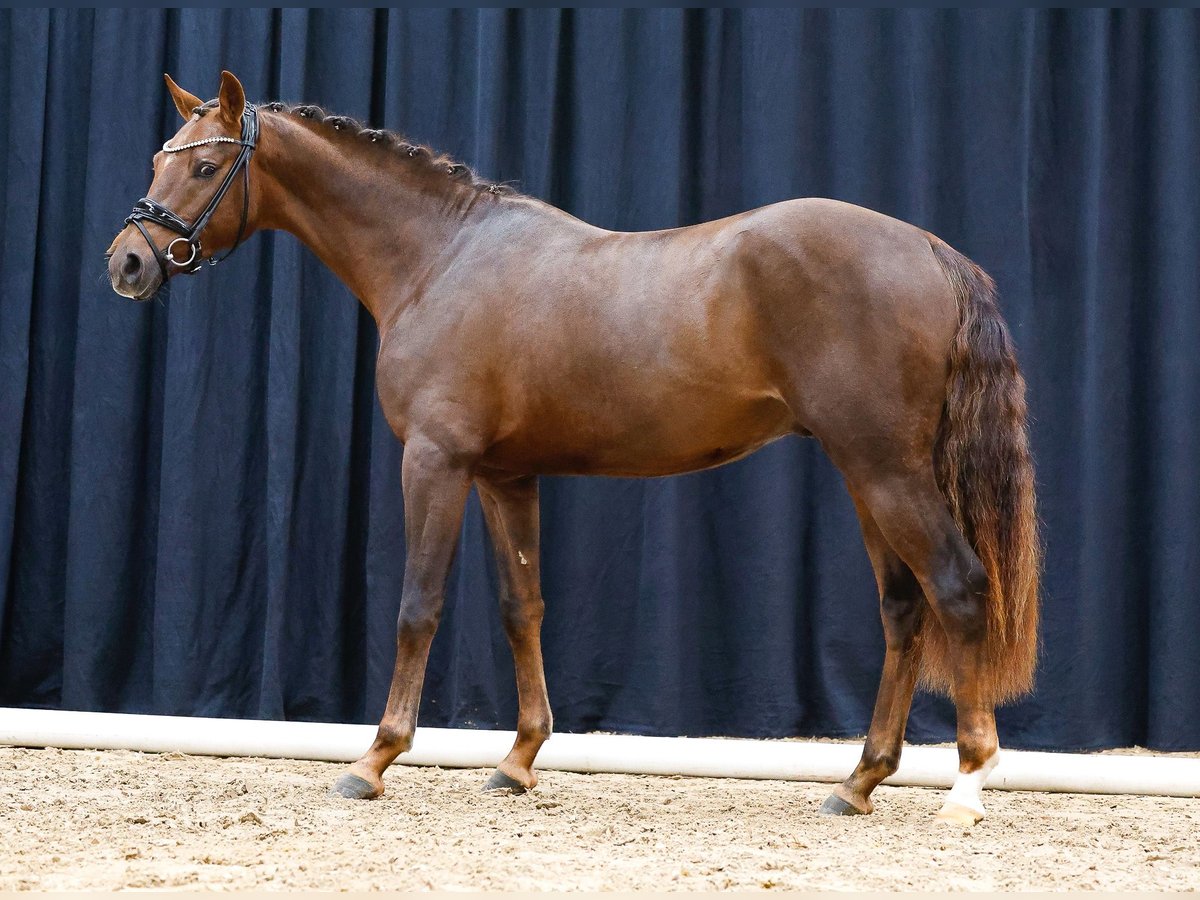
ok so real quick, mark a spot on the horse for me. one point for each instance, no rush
(516, 340)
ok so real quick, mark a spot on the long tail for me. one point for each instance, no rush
(985, 472)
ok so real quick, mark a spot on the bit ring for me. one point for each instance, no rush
(181, 263)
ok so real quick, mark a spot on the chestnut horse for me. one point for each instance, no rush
(516, 340)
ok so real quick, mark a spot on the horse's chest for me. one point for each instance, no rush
(422, 371)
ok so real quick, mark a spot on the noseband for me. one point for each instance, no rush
(147, 210)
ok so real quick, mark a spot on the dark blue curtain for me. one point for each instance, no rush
(200, 506)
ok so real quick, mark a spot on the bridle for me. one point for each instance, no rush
(147, 210)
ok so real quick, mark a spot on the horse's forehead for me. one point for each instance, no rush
(194, 129)
(199, 127)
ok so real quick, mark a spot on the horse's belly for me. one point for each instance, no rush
(650, 439)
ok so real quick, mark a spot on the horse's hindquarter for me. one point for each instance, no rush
(857, 316)
(589, 352)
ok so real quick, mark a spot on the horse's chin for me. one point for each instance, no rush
(137, 292)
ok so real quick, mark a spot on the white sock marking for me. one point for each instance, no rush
(968, 786)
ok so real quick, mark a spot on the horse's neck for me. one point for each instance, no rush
(374, 221)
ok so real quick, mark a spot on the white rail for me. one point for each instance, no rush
(631, 754)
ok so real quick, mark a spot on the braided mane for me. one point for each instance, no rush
(390, 140)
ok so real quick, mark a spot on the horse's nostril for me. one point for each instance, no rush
(131, 268)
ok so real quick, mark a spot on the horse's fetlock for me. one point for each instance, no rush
(392, 738)
(539, 728)
(883, 761)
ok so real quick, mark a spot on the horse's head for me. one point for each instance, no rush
(199, 202)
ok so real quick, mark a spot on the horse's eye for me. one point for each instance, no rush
(206, 170)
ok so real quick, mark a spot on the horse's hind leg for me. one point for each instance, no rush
(511, 511)
(912, 516)
(902, 607)
(435, 492)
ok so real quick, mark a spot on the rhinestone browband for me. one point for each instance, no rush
(190, 144)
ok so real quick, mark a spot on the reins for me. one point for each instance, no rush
(147, 210)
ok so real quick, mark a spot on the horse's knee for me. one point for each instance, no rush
(521, 615)
(418, 619)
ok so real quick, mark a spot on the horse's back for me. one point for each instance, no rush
(812, 263)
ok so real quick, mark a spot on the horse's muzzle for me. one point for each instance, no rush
(134, 275)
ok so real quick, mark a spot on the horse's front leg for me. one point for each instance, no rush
(435, 483)
(511, 510)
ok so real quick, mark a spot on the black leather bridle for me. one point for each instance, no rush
(147, 210)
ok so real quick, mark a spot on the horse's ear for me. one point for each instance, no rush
(184, 102)
(232, 98)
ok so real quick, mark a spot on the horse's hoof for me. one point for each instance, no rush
(354, 788)
(957, 814)
(836, 806)
(501, 782)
